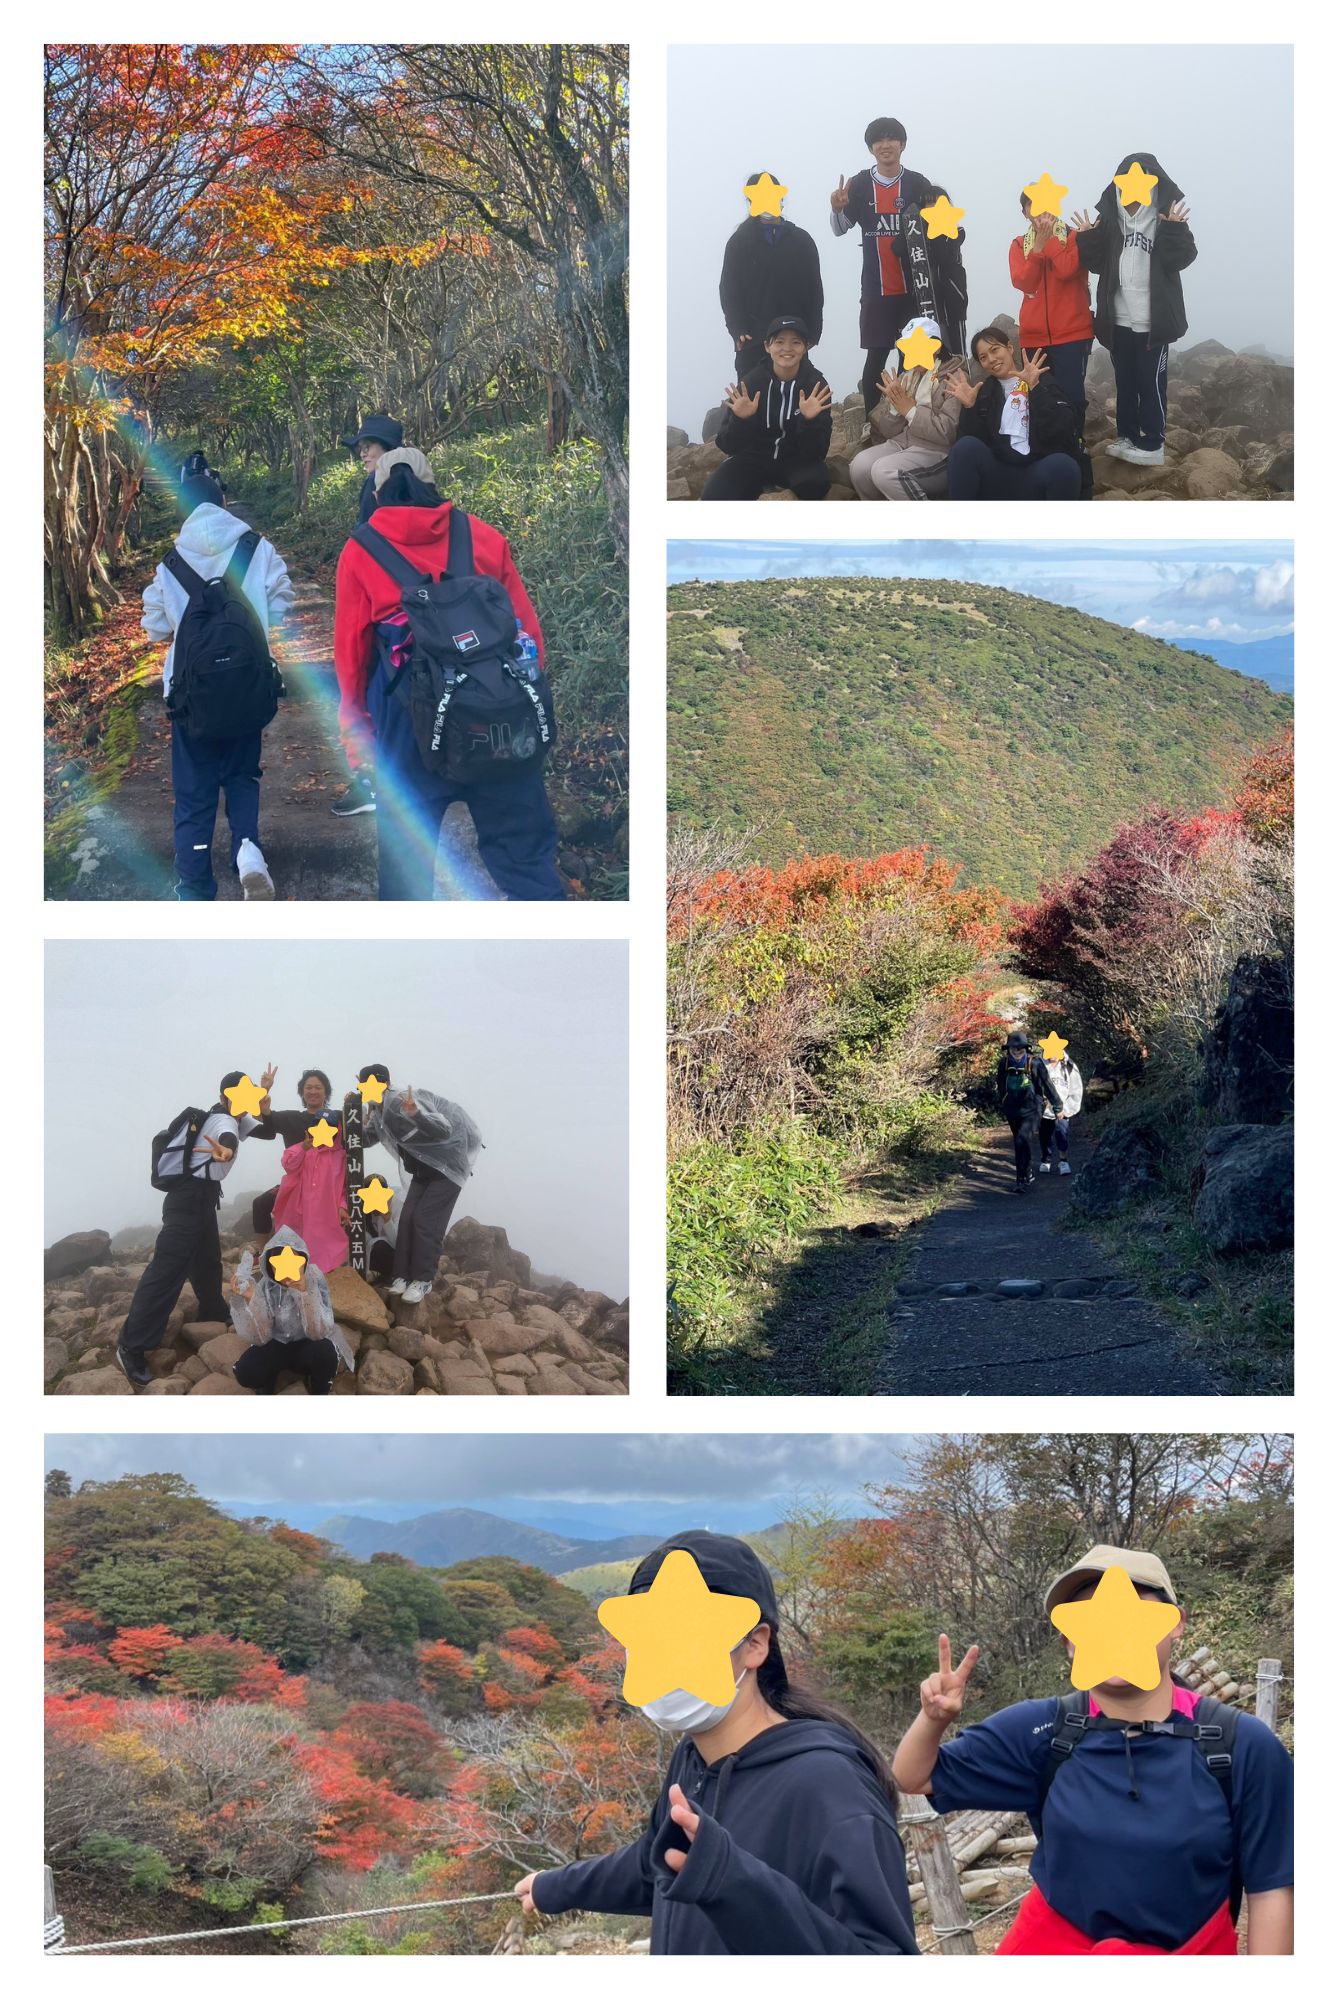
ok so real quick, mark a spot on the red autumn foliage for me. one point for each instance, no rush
(777, 898)
(308, 1547)
(362, 1819)
(447, 1673)
(215, 1668)
(392, 1740)
(139, 1650)
(1266, 797)
(82, 1714)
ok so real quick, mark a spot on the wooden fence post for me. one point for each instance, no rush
(939, 1875)
(1265, 1693)
(53, 1931)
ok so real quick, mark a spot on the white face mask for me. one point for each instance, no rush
(677, 1713)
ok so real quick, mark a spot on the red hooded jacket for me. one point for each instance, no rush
(364, 594)
(1054, 285)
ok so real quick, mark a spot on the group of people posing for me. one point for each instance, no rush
(303, 1228)
(777, 1831)
(440, 665)
(991, 419)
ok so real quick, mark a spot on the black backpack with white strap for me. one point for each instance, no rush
(183, 1131)
(479, 710)
(224, 682)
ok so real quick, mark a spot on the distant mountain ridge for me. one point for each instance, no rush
(1270, 660)
(858, 715)
(460, 1534)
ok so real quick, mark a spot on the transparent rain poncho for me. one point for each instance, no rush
(278, 1312)
(441, 1135)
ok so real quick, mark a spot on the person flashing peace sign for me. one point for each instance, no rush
(1151, 1816)
(777, 429)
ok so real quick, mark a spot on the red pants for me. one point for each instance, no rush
(1038, 1931)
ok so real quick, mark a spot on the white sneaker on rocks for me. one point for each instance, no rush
(415, 1292)
(1045, 1167)
(256, 882)
(1064, 1166)
(398, 1287)
(1134, 454)
(1120, 449)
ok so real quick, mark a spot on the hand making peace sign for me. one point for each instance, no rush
(942, 1693)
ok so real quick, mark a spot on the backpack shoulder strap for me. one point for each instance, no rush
(189, 579)
(1071, 1725)
(391, 560)
(1216, 1726)
(460, 543)
(242, 555)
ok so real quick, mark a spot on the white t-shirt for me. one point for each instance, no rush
(1014, 415)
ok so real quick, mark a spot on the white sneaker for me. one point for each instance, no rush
(256, 882)
(398, 1287)
(1120, 449)
(415, 1292)
(1045, 1167)
(1064, 1166)
(1134, 454)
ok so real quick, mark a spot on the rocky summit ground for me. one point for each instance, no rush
(1229, 435)
(489, 1327)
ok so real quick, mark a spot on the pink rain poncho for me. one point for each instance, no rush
(314, 1188)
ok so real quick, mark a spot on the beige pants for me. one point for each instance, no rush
(897, 471)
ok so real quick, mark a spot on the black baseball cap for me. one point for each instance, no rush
(788, 325)
(726, 1564)
(377, 430)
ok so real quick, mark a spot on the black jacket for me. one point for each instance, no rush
(1041, 1084)
(797, 1854)
(1052, 421)
(365, 506)
(949, 283)
(777, 430)
(1173, 250)
(763, 281)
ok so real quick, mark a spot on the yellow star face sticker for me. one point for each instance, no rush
(372, 1090)
(1053, 1047)
(942, 218)
(678, 1634)
(918, 349)
(322, 1134)
(765, 196)
(375, 1196)
(288, 1265)
(1116, 1633)
(1135, 185)
(1046, 196)
(244, 1099)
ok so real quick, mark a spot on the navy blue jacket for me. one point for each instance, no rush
(797, 1853)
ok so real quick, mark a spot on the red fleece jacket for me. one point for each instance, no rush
(1054, 285)
(364, 594)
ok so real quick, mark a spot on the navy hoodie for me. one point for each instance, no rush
(797, 1853)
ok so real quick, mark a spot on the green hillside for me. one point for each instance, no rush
(862, 714)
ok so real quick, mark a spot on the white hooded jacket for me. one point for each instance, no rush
(1064, 1075)
(206, 540)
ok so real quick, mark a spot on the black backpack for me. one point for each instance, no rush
(1212, 1731)
(1018, 1086)
(479, 710)
(223, 680)
(192, 1118)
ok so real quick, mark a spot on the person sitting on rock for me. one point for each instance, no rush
(778, 426)
(1138, 250)
(913, 427)
(872, 201)
(1022, 1081)
(435, 1143)
(1019, 436)
(191, 1176)
(1055, 1125)
(281, 1306)
(1055, 315)
(770, 268)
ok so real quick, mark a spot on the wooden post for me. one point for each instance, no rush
(50, 1916)
(1265, 1693)
(939, 1876)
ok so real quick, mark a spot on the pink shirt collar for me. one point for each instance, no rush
(1184, 1701)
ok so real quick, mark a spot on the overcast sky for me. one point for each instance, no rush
(529, 1037)
(592, 1485)
(1173, 590)
(982, 122)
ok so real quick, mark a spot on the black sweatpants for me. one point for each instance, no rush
(1023, 1125)
(259, 1367)
(747, 475)
(261, 1212)
(1054, 1134)
(1140, 388)
(421, 1227)
(187, 1248)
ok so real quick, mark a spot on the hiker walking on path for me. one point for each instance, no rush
(436, 1144)
(215, 598)
(1054, 1130)
(872, 201)
(1138, 247)
(281, 1305)
(775, 1832)
(375, 436)
(411, 541)
(191, 1158)
(770, 270)
(1023, 1083)
(1153, 1809)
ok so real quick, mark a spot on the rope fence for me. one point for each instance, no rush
(283, 1924)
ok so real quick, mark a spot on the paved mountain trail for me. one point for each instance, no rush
(123, 851)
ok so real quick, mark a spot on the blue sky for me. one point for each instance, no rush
(1176, 590)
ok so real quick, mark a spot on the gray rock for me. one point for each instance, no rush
(676, 437)
(72, 1255)
(1246, 1189)
(1020, 1288)
(1124, 1169)
(1076, 1288)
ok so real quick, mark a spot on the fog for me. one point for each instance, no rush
(982, 122)
(531, 1038)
